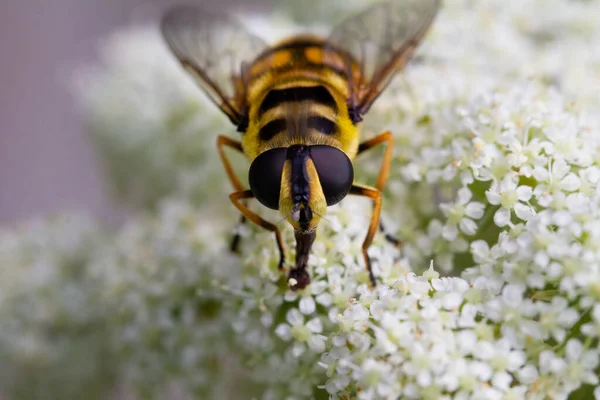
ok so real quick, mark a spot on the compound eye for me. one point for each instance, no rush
(335, 172)
(264, 177)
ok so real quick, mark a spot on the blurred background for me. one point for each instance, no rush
(47, 162)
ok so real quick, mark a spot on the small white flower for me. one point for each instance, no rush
(557, 178)
(510, 197)
(461, 215)
(556, 317)
(581, 363)
(297, 329)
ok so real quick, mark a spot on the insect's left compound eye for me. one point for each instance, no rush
(265, 176)
(335, 172)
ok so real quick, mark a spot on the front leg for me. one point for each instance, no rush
(224, 141)
(375, 195)
(237, 200)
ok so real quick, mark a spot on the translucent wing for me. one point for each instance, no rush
(214, 50)
(378, 43)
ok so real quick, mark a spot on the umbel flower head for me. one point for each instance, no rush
(494, 190)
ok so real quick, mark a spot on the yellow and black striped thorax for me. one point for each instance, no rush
(297, 93)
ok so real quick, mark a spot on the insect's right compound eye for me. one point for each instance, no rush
(265, 176)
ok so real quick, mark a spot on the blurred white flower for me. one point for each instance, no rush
(462, 214)
(152, 126)
(53, 326)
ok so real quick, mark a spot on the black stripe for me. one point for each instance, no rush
(271, 129)
(321, 124)
(317, 93)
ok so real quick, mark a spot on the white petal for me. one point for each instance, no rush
(515, 360)
(317, 343)
(541, 258)
(540, 174)
(481, 370)
(450, 231)
(528, 374)
(339, 340)
(468, 226)
(315, 325)
(560, 168)
(523, 211)
(562, 218)
(307, 305)
(475, 210)
(466, 341)
(484, 350)
(297, 349)
(452, 301)
(294, 317)
(493, 197)
(480, 250)
(464, 195)
(524, 193)
(325, 299)
(466, 177)
(512, 295)
(502, 217)
(501, 380)
(284, 331)
(590, 359)
(570, 183)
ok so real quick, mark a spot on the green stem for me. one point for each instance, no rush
(575, 330)
(486, 221)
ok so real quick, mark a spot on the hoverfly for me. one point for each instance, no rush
(298, 106)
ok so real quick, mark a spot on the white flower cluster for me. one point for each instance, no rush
(495, 183)
(53, 331)
(516, 210)
(169, 316)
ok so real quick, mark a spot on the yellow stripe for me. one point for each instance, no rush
(278, 59)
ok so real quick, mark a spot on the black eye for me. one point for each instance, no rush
(335, 172)
(265, 177)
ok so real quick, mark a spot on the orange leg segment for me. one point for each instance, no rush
(224, 141)
(383, 138)
(375, 195)
(237, 200)
(384, 172)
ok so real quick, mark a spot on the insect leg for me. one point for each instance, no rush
(223, 141)
(375, 195)
(237, 200)
(383, 138)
